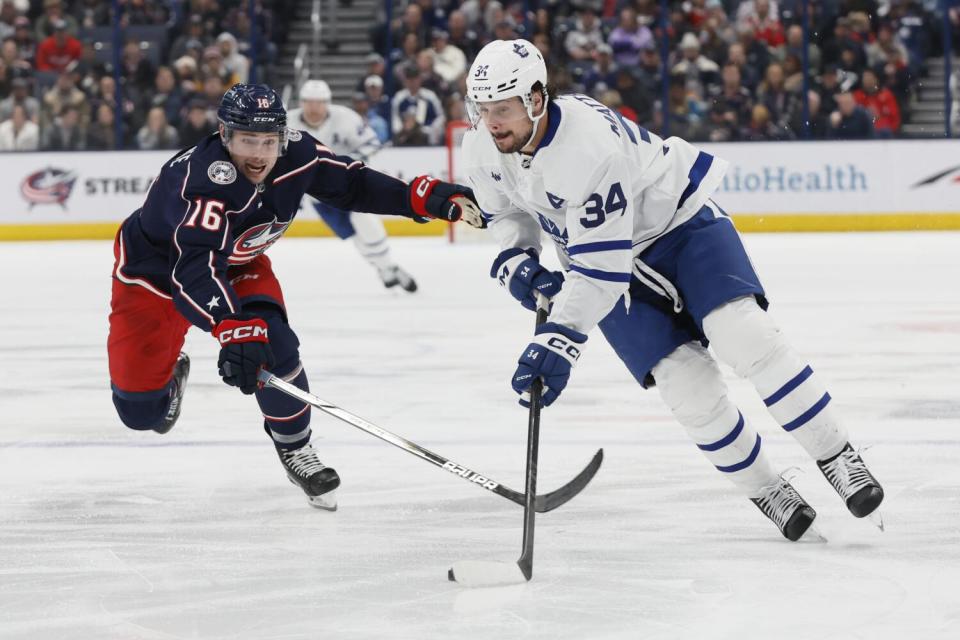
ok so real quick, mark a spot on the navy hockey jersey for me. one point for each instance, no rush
(202, 215)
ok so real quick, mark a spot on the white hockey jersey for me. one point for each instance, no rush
(603, 188)
(344, 131)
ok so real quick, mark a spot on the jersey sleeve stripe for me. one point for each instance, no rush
(290, 174)
(176, 243)
(697, 172)
(627, 128)
(355, 163)
(213, 274)
(594, 247)
(597, 274)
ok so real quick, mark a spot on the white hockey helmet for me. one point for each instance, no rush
(315, 90)
(506, 69)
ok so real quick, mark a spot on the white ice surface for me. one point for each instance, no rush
(111, 534)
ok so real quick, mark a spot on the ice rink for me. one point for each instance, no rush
(109, 534)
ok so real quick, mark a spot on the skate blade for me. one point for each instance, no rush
(813, 534)
(326, 501)
(876, 519)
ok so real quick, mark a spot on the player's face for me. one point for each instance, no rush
(314, 111)
(255, 154)
(508, 123)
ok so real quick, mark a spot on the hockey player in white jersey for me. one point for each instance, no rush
(652, 260)
(345, 133)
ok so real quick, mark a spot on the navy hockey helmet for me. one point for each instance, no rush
(253, 107)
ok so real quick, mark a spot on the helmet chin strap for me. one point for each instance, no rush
(535, 119)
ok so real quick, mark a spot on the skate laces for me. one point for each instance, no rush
(174, 400)
(779, 500)
(847, 472)
(303, 461)
(176, 388)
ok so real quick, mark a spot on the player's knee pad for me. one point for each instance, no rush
(142, 411)
(690, 383)
(745, 336)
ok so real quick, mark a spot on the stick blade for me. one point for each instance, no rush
(479, 573)
(561, 496)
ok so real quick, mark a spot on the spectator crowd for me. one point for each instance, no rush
(717, 70)
(59, 86)
(734, 69)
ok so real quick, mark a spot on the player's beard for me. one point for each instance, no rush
(519, 141)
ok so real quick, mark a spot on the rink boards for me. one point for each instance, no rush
(795, 186)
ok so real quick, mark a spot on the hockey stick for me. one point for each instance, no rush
(543, 503)
(472, 573)
(533, 449)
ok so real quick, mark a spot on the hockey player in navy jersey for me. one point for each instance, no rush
(194, 255)
(344, 131)
(652, 260)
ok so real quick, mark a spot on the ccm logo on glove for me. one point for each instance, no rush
(560, 345)
(243, 333)
(423, 185)
(551, 356)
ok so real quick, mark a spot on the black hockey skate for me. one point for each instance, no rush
(395, 276)
(306, 471)
(848, 474)
(783, 505)
(180, 372)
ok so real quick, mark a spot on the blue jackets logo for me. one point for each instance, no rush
(256, 240)
(222, 172)
(48, 186)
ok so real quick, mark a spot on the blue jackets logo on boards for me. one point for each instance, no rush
(48, 186)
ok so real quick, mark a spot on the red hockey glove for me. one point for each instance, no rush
(432, 198)
(244, 350)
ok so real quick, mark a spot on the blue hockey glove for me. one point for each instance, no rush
(521, 273)
(551, 356)
(244, 349)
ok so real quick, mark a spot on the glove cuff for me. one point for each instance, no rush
(240, 329)
(567, 332)
(561, 340)
(511, 257)
(419, 190)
